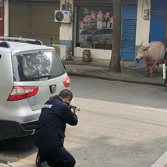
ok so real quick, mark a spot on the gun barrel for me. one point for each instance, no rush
(74, 107)
(78, 109)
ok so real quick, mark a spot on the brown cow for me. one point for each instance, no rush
(153, 54)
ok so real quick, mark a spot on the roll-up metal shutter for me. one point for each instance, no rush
(43, 25)
(157, 27)
(129, 17)
(34, 20)
(19, 21)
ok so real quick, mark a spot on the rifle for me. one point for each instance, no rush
(71, 107)
(74, 107)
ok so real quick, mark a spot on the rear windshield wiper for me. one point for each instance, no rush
(43, 76)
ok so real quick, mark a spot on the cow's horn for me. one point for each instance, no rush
(147, 47)
(141, 43)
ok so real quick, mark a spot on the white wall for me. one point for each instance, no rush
(66, 29)
(65, 32)
(143, 26)
(95, 53)
(6, 18)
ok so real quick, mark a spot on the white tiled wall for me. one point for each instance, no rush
(143, 26)
(95, 53)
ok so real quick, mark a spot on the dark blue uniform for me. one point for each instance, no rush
(50, 132)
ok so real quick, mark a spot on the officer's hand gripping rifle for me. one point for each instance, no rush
(74, 108)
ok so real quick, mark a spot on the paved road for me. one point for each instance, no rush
(120, 124)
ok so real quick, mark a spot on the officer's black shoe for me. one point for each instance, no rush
(39, 162)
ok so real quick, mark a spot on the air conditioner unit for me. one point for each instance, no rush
(61, 50)
(62, 16)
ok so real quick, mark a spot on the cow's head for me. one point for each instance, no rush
(142, 52)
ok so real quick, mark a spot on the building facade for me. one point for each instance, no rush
(91, 24)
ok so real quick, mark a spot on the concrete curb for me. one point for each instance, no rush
(129, 71)
(114, 79)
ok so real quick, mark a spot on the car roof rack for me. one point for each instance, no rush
(4, 45)
(23, 40)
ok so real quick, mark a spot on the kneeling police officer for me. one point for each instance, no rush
(50, 131)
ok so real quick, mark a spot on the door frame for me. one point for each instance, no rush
(1, 18)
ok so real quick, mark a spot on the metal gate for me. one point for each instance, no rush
(129, 17)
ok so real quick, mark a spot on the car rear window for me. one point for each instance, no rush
(36, 66)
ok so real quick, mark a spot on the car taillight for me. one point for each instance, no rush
(66, 82)
(22, 92)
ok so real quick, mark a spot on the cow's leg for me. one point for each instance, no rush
(157, 69)
(147, 70)
(151, 71)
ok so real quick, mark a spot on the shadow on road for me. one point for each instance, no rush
(111, 153)
(18, 148)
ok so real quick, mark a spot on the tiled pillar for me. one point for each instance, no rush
(66, 29)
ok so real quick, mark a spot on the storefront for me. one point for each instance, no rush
(94, 25)
(94, 28)
(34, 19)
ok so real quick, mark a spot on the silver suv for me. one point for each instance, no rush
(30, 73)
